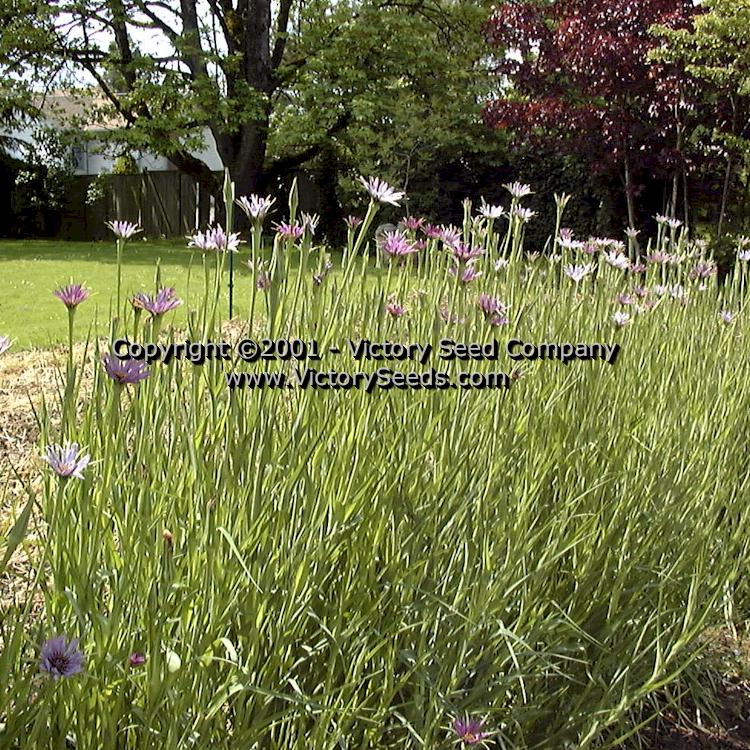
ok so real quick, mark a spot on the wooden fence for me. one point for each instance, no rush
(165, 204)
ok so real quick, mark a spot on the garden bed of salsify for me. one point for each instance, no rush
(406, 558)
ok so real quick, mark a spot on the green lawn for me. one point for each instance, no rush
(30, 271)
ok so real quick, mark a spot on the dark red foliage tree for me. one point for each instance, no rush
(580, 82)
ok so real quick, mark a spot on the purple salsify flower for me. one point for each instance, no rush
(5, 344)
(412, 223)
(292, 231)
(641, 291)
(661, 219)
(450, 235)
(533, 256)
(139, 301)
(726, 317)
(125, 372)
(674, 223)
(136, 659)
(621, 319)
(491, 212)
(617, 260)
(449, 317)
(501, 264)
(464, 253)
(659, 257)
(72, 295)
(498, 319)
(395, 310)
(466, 275)
(590, 248)
(632, 233)
(255, 208)
(743, 255)
(123, 230)
(60, 658)
(67, 460)
(221, 241)
(470, 731)
(381, 191)
(164, 301)
(578, 272)
(524, 214)
(263, 281)
(420, 244)
(432, 231)
(352, 222)
(568, 243)
(518, 189)
(566, 234)
(310, 222)
(396, 245)
(490, 305)
(703, 270)
(201, 240)
(216, 240)
(678, 292)
(638, 268)
(624, 299)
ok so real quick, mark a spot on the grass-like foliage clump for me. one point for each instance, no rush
(288, 568)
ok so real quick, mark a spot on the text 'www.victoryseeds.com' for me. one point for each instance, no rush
(325, 365)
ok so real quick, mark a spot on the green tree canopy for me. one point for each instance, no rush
(379, 83)
(715, 51)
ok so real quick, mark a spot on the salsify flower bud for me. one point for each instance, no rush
(136, 659)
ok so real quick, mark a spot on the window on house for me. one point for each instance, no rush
(79, 157)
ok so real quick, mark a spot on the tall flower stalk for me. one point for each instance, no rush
(71, 296)
(123, 231)
(256, 209)
(228, 193)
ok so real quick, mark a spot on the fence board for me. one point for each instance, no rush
(165, 204)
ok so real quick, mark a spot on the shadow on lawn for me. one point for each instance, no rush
(135, 253)
(170, 252)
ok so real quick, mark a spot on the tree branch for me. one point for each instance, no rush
(282, 23)
(287, 163)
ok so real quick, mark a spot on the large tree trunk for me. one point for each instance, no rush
(243, 148)
(247, 167)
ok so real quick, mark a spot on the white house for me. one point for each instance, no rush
(66, 111)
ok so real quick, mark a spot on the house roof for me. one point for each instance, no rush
(83, 109)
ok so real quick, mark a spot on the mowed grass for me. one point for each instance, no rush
(31, 270)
